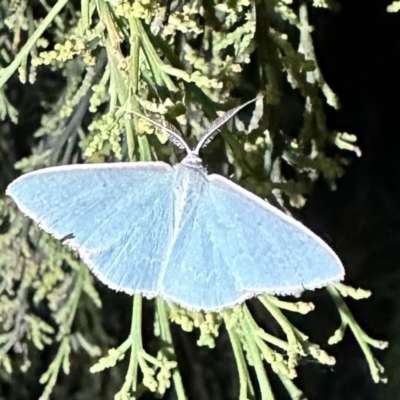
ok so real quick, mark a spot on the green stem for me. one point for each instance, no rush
(76, 295)
(133, 82)
(307, 48)
(294, 392)
(244, 378)
(299, 306)
(50, 376)
(362, 338)
(7, 72)
(131, 378)
(282, 321)
(266, 336)
(154, 60)
(59, 23)
(166, 337)
(265, 387)
(85, 14)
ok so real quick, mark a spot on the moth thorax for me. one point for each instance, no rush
(192, 160)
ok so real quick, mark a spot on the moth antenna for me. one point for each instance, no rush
(174, 136)
(212, 131)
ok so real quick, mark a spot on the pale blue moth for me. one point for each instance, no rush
(194, 239)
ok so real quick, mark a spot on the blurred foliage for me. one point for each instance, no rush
(91, 65)
(394, 7)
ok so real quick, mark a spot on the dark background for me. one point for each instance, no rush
(359, 53)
